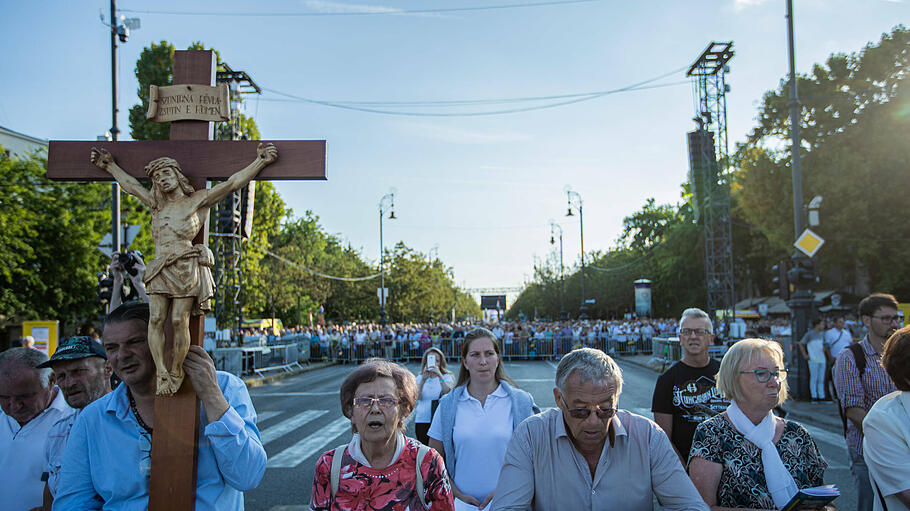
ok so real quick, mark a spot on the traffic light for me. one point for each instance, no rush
(803, 272)
(781, 280)
(105, 287)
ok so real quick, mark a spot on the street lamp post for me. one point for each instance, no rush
(387, 201)
(575, 198)
(562, 273)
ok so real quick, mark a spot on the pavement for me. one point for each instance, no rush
(258, 381)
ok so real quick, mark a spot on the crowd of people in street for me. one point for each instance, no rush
(72, 442)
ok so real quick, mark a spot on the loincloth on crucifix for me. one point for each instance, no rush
(184, 274)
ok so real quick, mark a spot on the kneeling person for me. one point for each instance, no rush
(586, 454)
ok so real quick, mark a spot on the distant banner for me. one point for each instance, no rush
(493, 302)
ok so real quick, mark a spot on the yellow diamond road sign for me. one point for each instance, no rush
(809, 242)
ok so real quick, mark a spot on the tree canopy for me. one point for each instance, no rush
(855, 121)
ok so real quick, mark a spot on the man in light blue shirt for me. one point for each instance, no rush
(108, 455)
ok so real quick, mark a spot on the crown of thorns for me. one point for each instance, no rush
(161, 163)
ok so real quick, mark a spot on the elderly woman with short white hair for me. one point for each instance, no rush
(747, 457)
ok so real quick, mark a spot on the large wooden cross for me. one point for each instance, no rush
(174, 448)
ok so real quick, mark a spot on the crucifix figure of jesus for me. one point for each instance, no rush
(179, 278)
(182, 203)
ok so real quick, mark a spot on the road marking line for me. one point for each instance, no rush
(551, 364)
(264, 416)
(533, 380)
(292, 394)
(288, 425)
(313, 444)
(835, 439)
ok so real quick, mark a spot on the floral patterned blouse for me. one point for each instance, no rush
(742, 482)
(392, 488)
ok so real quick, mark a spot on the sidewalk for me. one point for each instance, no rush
(817, 413)
(256, 381)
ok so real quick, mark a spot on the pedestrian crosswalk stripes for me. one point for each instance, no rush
(288, 425)
(317, 443)
(264, 416)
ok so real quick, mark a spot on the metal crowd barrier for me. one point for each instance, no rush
(284, 354)
(513, 348)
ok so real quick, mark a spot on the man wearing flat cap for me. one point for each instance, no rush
(83, 375)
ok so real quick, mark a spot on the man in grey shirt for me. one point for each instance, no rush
(587, 455)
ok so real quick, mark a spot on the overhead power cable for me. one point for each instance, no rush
(624, 266)
(367, 11)
(313, 272)
(562, 100)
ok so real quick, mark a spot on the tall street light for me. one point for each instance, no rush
(386, 203)
(575, 200)
(554, 227)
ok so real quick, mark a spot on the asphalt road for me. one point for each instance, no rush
(300, 418)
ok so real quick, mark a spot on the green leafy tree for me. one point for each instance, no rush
(48, 254)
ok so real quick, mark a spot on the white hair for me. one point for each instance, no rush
(18, 358)
(697, 313)
(592, 365)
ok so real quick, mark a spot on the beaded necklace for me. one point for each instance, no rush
(135, 410)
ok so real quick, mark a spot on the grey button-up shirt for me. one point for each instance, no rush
(544, 471)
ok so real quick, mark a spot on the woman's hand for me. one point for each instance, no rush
(486, 501)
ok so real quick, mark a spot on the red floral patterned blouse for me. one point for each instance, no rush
(392, 488)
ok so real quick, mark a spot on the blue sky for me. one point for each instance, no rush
(479, 189)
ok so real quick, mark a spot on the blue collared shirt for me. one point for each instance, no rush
(106, 462)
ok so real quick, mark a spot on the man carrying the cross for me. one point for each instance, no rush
(179, 276)
(107, 461)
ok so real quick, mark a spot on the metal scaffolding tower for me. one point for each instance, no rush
(709, 175)
(229, 218)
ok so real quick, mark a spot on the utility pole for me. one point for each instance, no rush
(115, 131)
(576, 197)
(562, 272)
(803, 272)
(119, 31)
(387, 200)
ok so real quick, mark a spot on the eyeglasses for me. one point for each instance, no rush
(763, 375)
(685, 332)
(367, 402)
(584, 413)
(887, 319)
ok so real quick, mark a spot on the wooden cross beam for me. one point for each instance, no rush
(174, 448)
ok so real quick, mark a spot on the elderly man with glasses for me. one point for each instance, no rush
(587, 454)
(686, 394)
(860, 381)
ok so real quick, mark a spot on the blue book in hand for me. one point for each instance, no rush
(809, 498)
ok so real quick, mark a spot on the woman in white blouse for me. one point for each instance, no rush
(474, 423)
(433, 382)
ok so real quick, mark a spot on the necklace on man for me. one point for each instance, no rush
(135, 410)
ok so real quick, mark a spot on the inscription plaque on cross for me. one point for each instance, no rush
(190, 149)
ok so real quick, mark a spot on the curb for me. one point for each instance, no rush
(639, 363)
(257, 381)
